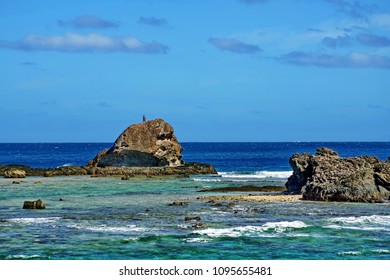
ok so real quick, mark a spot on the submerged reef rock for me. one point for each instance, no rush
(14, 173)
(150, 143)
(326, 176)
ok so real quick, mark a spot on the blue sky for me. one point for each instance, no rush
(217, 70)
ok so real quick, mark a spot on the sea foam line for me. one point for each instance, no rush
(46, 220)
(365, 223)
(275, 227)
(245, 177)
(373, 219)
(105, 228)
(11, 257)
(257, 174)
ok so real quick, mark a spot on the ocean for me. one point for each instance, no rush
(113, 219)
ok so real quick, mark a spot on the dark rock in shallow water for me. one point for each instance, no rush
(37, 204)
(178, 203)
(190, 219)
(199, 225)
(327, 177)
(127, 177)
(66, 171)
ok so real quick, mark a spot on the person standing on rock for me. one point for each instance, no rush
(143, 118)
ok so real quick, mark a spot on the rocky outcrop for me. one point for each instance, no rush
(326, 176)
(66, 171)
(185, 170)
(14, 173)
(148, 149)
(146, 144)
(37, 204)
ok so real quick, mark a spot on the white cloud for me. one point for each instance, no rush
(233, 45)
(381, 20)
(153, 21)
(73, 42)
(88, 21)
(352, 60)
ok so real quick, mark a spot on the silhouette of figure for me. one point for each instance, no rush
(143, 118)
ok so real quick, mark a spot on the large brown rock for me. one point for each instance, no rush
(327, 177)
(150, 143)
(14, 173)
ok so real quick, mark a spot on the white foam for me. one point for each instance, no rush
(357, 228)
(197, 240)
(276, 227)
(283, 226)
(366, 223)
(65, 165)
(257, 175)
(47, 220)
(351, 253)
(105, 228)
(381, 251)
(245, 177)
(356, 253)
(22, 256)
(374, 220)
(131, 239)
(220, 232)
(206, 180)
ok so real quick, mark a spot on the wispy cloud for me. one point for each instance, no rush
(352, 60)
(379, 107)
(354, 8)
(72, 42)
(233, 45)
(316, 30)
(88, 21)
(373, 40)
(104, 104)
(152, 21)
(337, 42)
(28, 63)
(381, 20)
(37, 84)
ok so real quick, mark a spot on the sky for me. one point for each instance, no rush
(216, 70)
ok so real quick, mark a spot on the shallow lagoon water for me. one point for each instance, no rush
(108, 218)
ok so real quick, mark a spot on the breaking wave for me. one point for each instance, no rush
(109, 229)
(270, 229)
(246, 177)
(47, 220)
(373, 222)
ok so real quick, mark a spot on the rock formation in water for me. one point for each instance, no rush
(148, 149)
(326, 176)
(37, 204)
(146, 144)
(14, 173)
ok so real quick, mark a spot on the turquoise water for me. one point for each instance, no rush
(108, 218)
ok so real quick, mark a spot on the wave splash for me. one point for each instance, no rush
(270, 228)
(366, 223)
(246, 177)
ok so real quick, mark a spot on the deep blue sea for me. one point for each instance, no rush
(108, 218)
